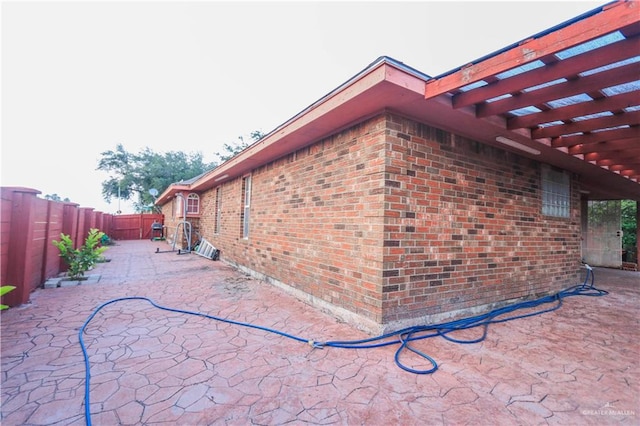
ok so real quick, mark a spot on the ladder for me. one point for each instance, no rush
(206, 249)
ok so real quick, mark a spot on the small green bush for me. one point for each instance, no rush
(81, 259)
(4, 290)
(91, 251)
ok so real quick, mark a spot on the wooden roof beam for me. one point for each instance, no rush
(626, 166)
(590, 138)
(612, 18)
(596, 58)
(614, 157)
(610, 103)
(618, 145)
(630, 118)
(593, 82)
(630, 172)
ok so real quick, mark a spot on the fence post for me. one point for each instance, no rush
(20, 270)
(51, 265)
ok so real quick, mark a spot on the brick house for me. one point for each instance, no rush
(399, 198)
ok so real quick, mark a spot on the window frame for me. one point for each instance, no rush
(246, 206)
(189, 200)
(555, 192)
(218, 212)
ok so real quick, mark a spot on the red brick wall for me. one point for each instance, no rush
(316, 219)
(207, 219)
(394, 220)
(464, 226)
(171, 222)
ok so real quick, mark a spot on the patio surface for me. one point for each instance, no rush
(578, 365)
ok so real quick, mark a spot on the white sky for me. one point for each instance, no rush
(80, 77)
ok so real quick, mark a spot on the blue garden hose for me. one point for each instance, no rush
(403, 337)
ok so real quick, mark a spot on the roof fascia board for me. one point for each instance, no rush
(596, 23)
(169, 193)
(300, 120)
(384, 69)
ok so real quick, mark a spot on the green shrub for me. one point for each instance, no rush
(91, 251)
(81, 259)
(4, 290)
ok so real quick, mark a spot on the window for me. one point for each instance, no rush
(216, 225)
(556, 192)
(246, 201)
(193, 204)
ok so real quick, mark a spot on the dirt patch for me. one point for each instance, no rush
(236, 286)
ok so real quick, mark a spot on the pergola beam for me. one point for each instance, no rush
(611, 103)
(596, 58)
(611, 18)
(618, 145)
(591, 138)
(630, 118)
(593, 82)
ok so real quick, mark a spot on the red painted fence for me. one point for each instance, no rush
(28, 224)
(133, 226)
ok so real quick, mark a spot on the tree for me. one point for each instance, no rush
(132, 175)
(600, 213)
(234, 148)
(629, 225)
(56, 197)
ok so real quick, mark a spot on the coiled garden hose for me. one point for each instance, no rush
(402, 338)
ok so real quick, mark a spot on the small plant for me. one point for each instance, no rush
(91, 251)
(70, 256)
(4, 290)
(106, 241)
(81, 259)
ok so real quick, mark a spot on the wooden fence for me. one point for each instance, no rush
(28, 224)
(134, 226)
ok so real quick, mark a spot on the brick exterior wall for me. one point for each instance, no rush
(316, 219)
(171, 221)
(399, 222)
(464, 227)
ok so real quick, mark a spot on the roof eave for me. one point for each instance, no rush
(351, 102)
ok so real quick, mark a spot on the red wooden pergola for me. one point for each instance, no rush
(573, 88)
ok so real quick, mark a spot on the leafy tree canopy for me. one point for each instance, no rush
(629, 225)
(56, 197)
(234, 148)
(132, 175)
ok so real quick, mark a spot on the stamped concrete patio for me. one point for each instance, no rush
(577, 365)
